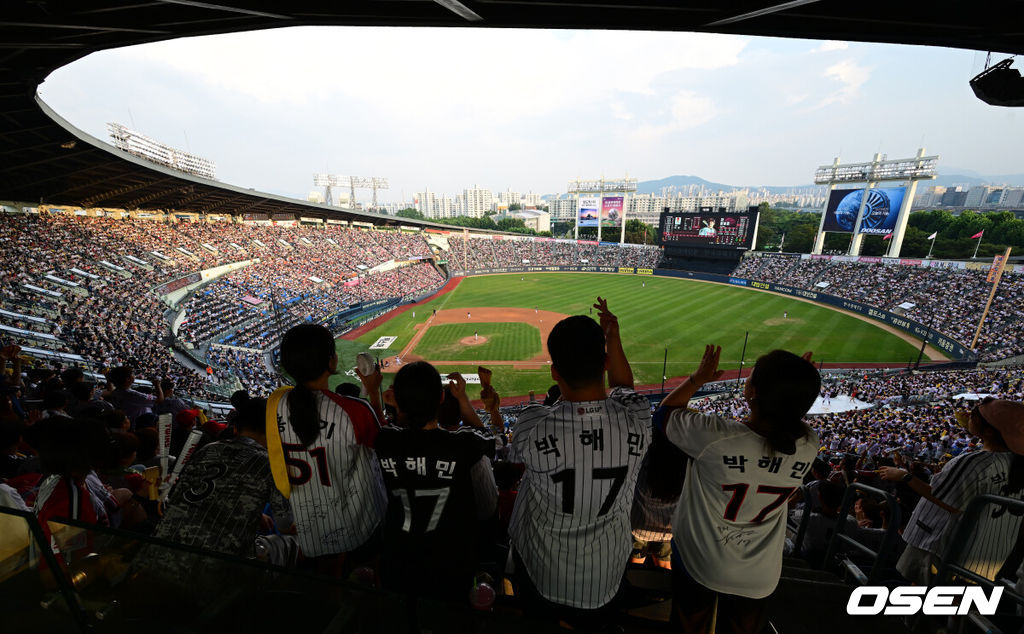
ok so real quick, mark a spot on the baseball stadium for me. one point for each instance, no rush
(230, 410)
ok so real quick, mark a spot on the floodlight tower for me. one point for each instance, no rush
(879, 170)
(371, 182)
(600, 187)
(327, 181)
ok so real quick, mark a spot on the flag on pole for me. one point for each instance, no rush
(978, 235)
(933, 236)
(887, 236)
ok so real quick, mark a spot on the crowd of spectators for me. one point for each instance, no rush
(97, 301)
(910, 413)
(56, 424)
(249, 366)
(501, 252)
(949, 300)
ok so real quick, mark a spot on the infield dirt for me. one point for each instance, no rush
(543, 320)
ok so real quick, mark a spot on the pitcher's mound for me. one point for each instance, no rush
(473, 341)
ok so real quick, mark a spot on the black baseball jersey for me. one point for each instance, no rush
(430, 526)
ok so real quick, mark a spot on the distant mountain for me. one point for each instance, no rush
(951, 180)
(1009, 179)
(960, 176)
(947, 178)
(679, 182)
(684, 181)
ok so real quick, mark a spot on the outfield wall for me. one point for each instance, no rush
(948, 345)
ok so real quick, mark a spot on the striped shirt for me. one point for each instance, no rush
(338, 497)
(570, 524)
(964, 477)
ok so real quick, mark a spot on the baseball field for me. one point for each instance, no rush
(502, 321)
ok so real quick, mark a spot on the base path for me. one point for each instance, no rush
(354, 334)
(544, 320)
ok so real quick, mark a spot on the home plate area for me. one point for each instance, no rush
(483, 335)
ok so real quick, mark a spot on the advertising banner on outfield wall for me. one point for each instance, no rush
(588, 211)
(949, 346)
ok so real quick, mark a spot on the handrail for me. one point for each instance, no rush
(801, 526)
(958, 544)
(64, 585)
(839, 538)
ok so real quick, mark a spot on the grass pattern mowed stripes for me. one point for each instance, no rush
(505, 342)
(658, 313)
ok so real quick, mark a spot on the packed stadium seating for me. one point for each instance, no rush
(483, 253)
(96, 302)
(909, 414)
(949, 300)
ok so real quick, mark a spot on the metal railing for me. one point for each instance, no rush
(841, 542)
(799, 527)
(952, 566)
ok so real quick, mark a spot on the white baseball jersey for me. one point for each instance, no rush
(964, 477)
(730, 525)
(570, 524)
(338, 496)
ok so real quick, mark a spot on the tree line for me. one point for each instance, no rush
(637, 232)
(1002, 229)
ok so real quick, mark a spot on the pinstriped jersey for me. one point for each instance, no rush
(963, 478)
(730, 525)
(338, 496)
(570, 524)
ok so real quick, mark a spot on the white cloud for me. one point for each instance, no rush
(686, 110)
(619, 111)
(850, 75)
(831, 45)
(492, 74)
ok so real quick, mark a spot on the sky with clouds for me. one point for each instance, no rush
(530, 110)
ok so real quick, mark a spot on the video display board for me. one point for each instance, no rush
(726, 230)
(588, 211)
(611, 211)
(880, 211)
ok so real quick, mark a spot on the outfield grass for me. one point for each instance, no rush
(655, 314)
(505, 342)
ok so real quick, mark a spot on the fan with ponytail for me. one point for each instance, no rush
(785, 386)
(306, 352)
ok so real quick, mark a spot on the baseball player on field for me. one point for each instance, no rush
(570, 526)
(729, 529)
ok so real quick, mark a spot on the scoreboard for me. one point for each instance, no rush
(708, 229)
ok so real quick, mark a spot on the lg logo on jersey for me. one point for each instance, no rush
(907, 600)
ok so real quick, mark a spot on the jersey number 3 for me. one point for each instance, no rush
(739, 493)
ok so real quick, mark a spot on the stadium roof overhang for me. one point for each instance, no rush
(45, 159)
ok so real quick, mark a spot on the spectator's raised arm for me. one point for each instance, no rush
(619, 372)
